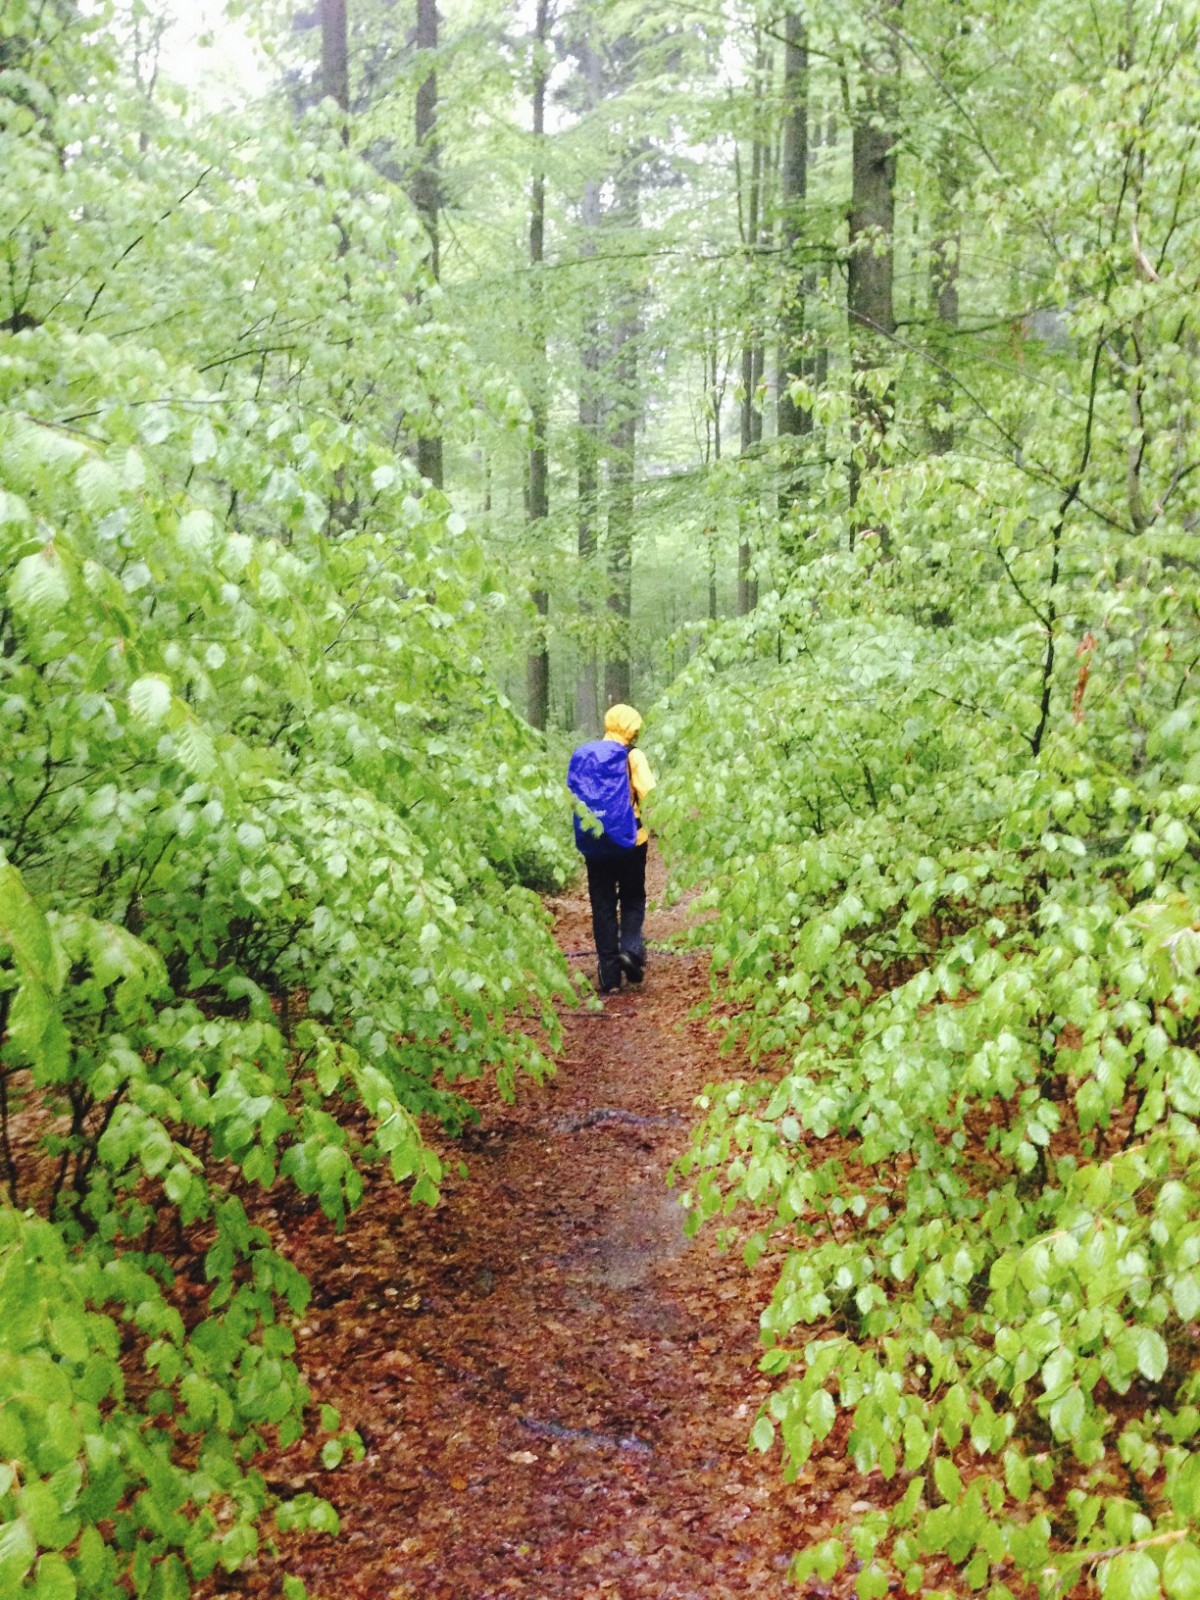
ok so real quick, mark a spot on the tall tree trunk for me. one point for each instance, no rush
(539, 487)
(335, 58)
(944, 285)
(949, 69)
(335, 84)
(752, 349)
(795, 421)
(870, 304)
(718, 390)
(587, 689)
(618, 670)
(712, 452)
(427, 190)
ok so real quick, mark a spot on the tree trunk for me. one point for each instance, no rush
(715, 386)
(618, 671)
(718, 391)
(795, 421)
(752, 350)
(335, 58)
(587, 689)
(335, 85)
(943, 265)
(588, 478)
(427, 190)
(950, 70)
(944, 285)
(539, 487)
(871, 270)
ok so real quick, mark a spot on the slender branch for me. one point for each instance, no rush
(1089, 1556)
(243, 355)
(1069, 500)
(1012, 578)
(970, 705)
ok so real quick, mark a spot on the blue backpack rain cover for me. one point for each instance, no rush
(598, 777)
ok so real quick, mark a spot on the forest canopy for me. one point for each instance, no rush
(824, 378)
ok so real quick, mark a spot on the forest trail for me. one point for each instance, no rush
(555, 1387)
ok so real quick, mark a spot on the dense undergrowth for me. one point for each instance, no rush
(264, 821)
(968, 972)
(949, 776)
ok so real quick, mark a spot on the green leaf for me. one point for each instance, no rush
(1181, 1570)
(100, 487)
(947, 1479)
(42, 1507)
(873, 1582)
(1151, 1353)
(1067, 1413)
(762, 1435)
(204, 442)
(1184, 1491)
(1132, 1576)
(821, 1413)
(40, 587)
(150, 699)
(1185, 1292)
(93, 1558)
(1017, 1474)
(916, 1444)
(17, 1551)
(55, 1580)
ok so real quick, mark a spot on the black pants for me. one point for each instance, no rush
(617, 887)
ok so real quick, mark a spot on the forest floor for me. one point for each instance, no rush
(554, 1386)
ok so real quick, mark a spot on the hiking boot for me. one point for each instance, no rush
(631, 967)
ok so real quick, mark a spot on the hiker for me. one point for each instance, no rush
(611, 778)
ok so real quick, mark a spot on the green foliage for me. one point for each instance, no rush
(953, 800)
(950, 783)
(969, 975)
(970, 978)
(265, 823)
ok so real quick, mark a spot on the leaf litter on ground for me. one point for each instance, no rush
(554, 1386)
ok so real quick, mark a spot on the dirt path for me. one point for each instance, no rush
(554, 1386)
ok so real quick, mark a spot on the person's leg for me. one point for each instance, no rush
(602, 888)
(631, 886)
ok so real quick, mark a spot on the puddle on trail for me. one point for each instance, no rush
(644, 1229)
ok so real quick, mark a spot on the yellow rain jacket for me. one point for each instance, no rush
(622, 724)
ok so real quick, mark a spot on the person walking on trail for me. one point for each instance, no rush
(610, 778)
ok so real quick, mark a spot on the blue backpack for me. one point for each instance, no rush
(598, 777)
